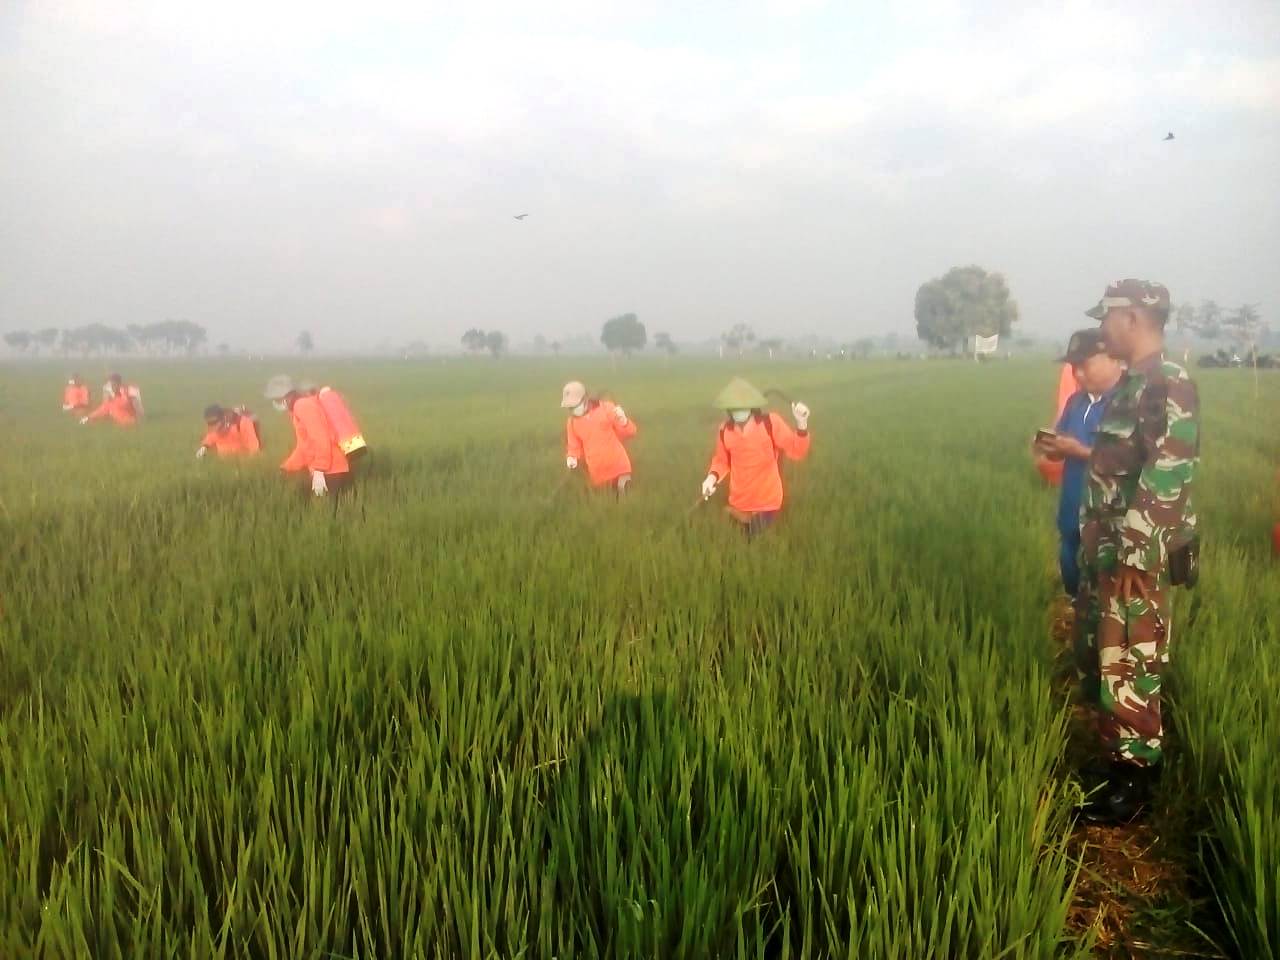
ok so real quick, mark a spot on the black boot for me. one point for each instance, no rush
(1118, 794)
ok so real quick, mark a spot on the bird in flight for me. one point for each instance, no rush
(521, 216)
(1169, 137)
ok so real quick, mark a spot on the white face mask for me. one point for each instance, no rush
(280, 405)
(740, 416)
(580, 409)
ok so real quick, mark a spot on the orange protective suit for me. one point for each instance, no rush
(1051, 470)
(596, 437)
(233, 439)
(119, 408)
(317, 443)
(748, 456)
(345, 428)
(75, 396)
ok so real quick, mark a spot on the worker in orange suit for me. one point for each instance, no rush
(747, 450)
(75, 396)
(121, 403)
(594, 435)
(316, 452)
(229, 433)
(350, 437)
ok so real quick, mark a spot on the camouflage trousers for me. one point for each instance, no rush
(1121, 652)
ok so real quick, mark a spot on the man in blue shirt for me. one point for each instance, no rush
(1097, 374)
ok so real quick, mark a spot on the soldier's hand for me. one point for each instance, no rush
(1133, 583)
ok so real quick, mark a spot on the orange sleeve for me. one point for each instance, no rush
(720, 459)
(249, 435)
(210, 439)
(573, 443)
(1067, 387)
(794, 445)
(102, 410)
(317, 444)
(297, 460)
(625, 431)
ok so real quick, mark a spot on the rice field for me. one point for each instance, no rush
(477, 713)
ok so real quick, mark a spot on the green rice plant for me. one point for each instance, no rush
(461, 717)
(1227, 674)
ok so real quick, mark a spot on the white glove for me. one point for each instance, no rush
(200, 452)
(621, 415)
(709, 486)
(318, 486)
(83, 421)
(66, 406)
(571, 463)
(801, 414)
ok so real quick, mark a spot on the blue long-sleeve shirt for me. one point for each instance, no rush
(1080, 419)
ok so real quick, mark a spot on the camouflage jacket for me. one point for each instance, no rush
(1137, 501)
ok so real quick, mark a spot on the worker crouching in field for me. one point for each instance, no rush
(594, 434)
(747, 450)
(123, 404)
(317, 451)
(75, 396)
(229, 433)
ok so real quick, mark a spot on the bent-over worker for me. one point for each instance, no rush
(316, 450)
(229, 433)
(121, 403)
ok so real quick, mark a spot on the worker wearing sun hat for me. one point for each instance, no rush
(1138, 540)
(747, 449)
(594, 434)
(316, 450)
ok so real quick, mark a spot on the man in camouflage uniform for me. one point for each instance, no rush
(1137, 510)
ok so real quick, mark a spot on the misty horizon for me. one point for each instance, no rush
(795, 167)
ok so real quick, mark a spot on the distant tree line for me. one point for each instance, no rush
(168, 338)
(1241, 327)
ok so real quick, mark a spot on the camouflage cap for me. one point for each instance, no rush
(1083, 345)
(1131, 293)
(740, 395)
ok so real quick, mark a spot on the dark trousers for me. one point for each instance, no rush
(1069, 560)
(759, 523)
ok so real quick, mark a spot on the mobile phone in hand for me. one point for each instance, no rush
(1044, 436)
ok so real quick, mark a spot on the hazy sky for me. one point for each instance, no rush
(261, 166)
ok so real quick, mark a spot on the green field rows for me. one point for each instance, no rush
(468, 715)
